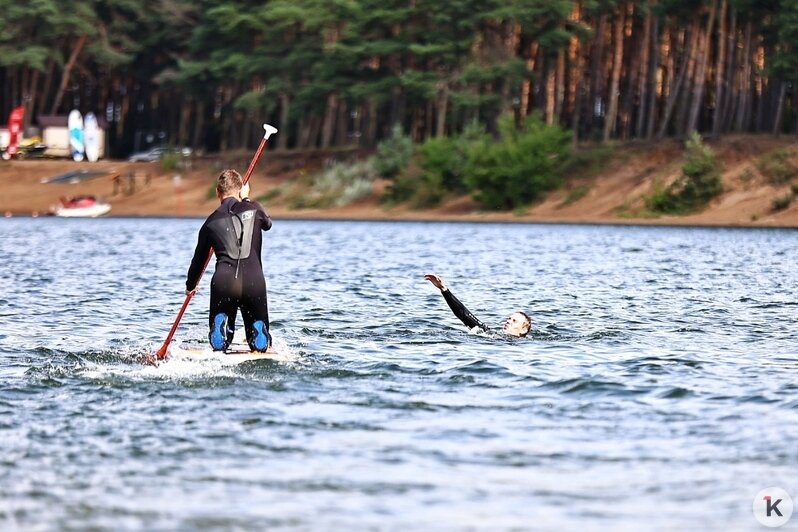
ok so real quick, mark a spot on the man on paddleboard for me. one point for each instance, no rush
(233, 231)
(517, 324)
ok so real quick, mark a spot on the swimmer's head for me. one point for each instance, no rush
(517, 324)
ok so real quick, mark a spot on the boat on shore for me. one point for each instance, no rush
(85, 206)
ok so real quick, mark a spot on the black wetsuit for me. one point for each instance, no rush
(234, 232)
(462, 312)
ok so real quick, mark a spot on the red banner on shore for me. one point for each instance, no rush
(14, 127)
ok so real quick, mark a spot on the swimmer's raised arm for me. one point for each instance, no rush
(459, 310)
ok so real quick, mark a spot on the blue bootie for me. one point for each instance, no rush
(259, 339)
(218, 334)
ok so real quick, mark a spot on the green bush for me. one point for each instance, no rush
(794, 189)
(421, 191)
(782, 202)
(443, 159)
(401, 189)
(393, 154)
(429, 193)
(338, 185)
(441, 167)
(776, 166)
(699, 183)
(515, 171)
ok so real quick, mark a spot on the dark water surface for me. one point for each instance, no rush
(658, 391)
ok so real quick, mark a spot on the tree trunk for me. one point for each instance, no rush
(674, 94)
(745, 80)
(652, 79)
(303, 133)
(779, 108)
(729, 92)
(550, 93)
(762, 94)
(331, 112)
(285, 106)
(309, 132)
(683, 106)
(417, 126)
(370, 135)
(33, 99)
(199, 124)
(185, 118)
(342, 124)
(719, 74)
(527, 90)
(441, 108)
(124, 110)
(701, 74)
(560, 81)
(577, 76)
(795, 105)
(596, 78)
(65, 75)
(397, 108)
(357, 125)
(630, 95)
(645, 67)
(612, 111)
(314, 130)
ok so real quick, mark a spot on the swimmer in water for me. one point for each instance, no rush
(517, 324)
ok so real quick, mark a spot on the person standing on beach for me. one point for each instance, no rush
(233, 231)
(517, 324)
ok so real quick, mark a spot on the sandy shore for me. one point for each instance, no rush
(612, 196)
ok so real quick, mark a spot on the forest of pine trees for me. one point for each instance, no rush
(345, 72)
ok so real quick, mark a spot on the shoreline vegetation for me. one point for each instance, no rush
(328, 75)
(564, 111)
(752, 182)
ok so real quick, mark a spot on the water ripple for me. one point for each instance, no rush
(661, 373)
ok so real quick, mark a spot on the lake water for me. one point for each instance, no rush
(659, 389)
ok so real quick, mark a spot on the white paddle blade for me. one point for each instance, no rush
(269, 131)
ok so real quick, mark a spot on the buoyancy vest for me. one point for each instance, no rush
(235, 234)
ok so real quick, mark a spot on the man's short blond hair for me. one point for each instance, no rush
(229, 183)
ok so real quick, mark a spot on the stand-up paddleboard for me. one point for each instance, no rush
(91, 136)
(75, 123)
(237, 352)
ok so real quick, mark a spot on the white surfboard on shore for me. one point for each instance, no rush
(75, 124)
(91, 137)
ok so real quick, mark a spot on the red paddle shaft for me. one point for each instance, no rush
(161, 353)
